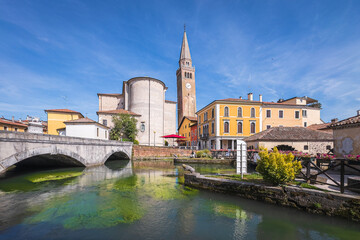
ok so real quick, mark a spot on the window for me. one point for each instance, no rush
(281, 114)
(199, 119)
(239, 127)
(226, 127)
(268, 126)
(5, 128)
(212, 128)
(226, 112)
(305, 124)
(328, 147)
(97, 131)
(297, 114)
(268, 113)
(306, 147)
(16, 129)
(212, 113)
(199, 130)
(142, 127)
(105, 134)
(105, 122)
(304, 113)
(252, 114)
(239, 112)
(190, 75)
(252, 127)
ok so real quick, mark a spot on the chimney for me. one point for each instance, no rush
(358, 112)
(12, 119)
(260, 98)
(334, 120)
(250, 96)
(240, 97)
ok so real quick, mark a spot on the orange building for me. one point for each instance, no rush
(185, 130)
(11, 125)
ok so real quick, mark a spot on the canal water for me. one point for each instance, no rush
(145, 201)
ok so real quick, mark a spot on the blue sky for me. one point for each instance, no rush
(60, 54)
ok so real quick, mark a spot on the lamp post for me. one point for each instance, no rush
(121, 134)
(154, 137)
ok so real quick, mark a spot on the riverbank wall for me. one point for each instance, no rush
(310, 200)
(204, 161)
(152, 152)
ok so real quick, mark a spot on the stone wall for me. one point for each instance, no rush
(313, 201)
(144, 152)
(347, 141)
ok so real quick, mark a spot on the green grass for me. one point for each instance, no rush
(253, 177)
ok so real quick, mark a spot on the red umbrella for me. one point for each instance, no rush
(173, 136)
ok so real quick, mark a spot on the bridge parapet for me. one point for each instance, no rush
(17, 146)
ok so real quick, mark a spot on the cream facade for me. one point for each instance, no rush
(144, 98)
(347, 136)
(86, 128)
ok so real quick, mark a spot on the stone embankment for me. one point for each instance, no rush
(313, 201)
(204, 161)
(150, 152)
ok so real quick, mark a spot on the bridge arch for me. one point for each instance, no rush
(51, 154)
(120, 152)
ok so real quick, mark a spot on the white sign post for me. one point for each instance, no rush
(241, 158)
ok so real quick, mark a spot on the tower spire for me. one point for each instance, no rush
(185, 50)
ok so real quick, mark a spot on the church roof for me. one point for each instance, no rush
(185, 50)
(118, 111)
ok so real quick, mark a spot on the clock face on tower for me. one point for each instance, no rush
(188, 85)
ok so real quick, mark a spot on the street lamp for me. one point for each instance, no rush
(154, 137)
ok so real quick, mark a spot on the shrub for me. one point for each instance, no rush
(277, 168)
(203, 153)
(166, 143)
(136, 142)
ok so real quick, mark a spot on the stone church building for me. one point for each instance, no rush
(144, 98)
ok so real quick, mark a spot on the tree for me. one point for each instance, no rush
(124, 127)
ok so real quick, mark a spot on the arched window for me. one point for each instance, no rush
(252, 114)
(226, 112)
(239, 127)
(252, 127)
(239, 112)
(212, 113)
(226, 127)
(190, 75)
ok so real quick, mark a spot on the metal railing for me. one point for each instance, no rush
(309, 164)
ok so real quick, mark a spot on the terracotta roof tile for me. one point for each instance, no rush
(290, 134)
(321, 126)
(349, 122)
(9, 122)
(62, 110)
(118, 111)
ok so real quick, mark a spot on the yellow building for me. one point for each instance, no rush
(11, 125)
(222, 122)
(186, 129)
(57, 117)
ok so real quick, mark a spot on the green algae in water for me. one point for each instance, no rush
(225, 210)
(54, 176)
(91, 210)
(35, 181)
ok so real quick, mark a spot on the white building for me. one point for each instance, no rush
(143, 98)
(86, 128)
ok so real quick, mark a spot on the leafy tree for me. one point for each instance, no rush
(124, 127)
(277, 168)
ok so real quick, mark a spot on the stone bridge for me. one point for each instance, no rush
(17, 148)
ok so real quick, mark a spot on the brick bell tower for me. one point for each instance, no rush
(186, 95)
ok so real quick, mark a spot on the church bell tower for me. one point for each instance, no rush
(186, 95)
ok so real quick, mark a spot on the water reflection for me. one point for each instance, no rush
(121, 201)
